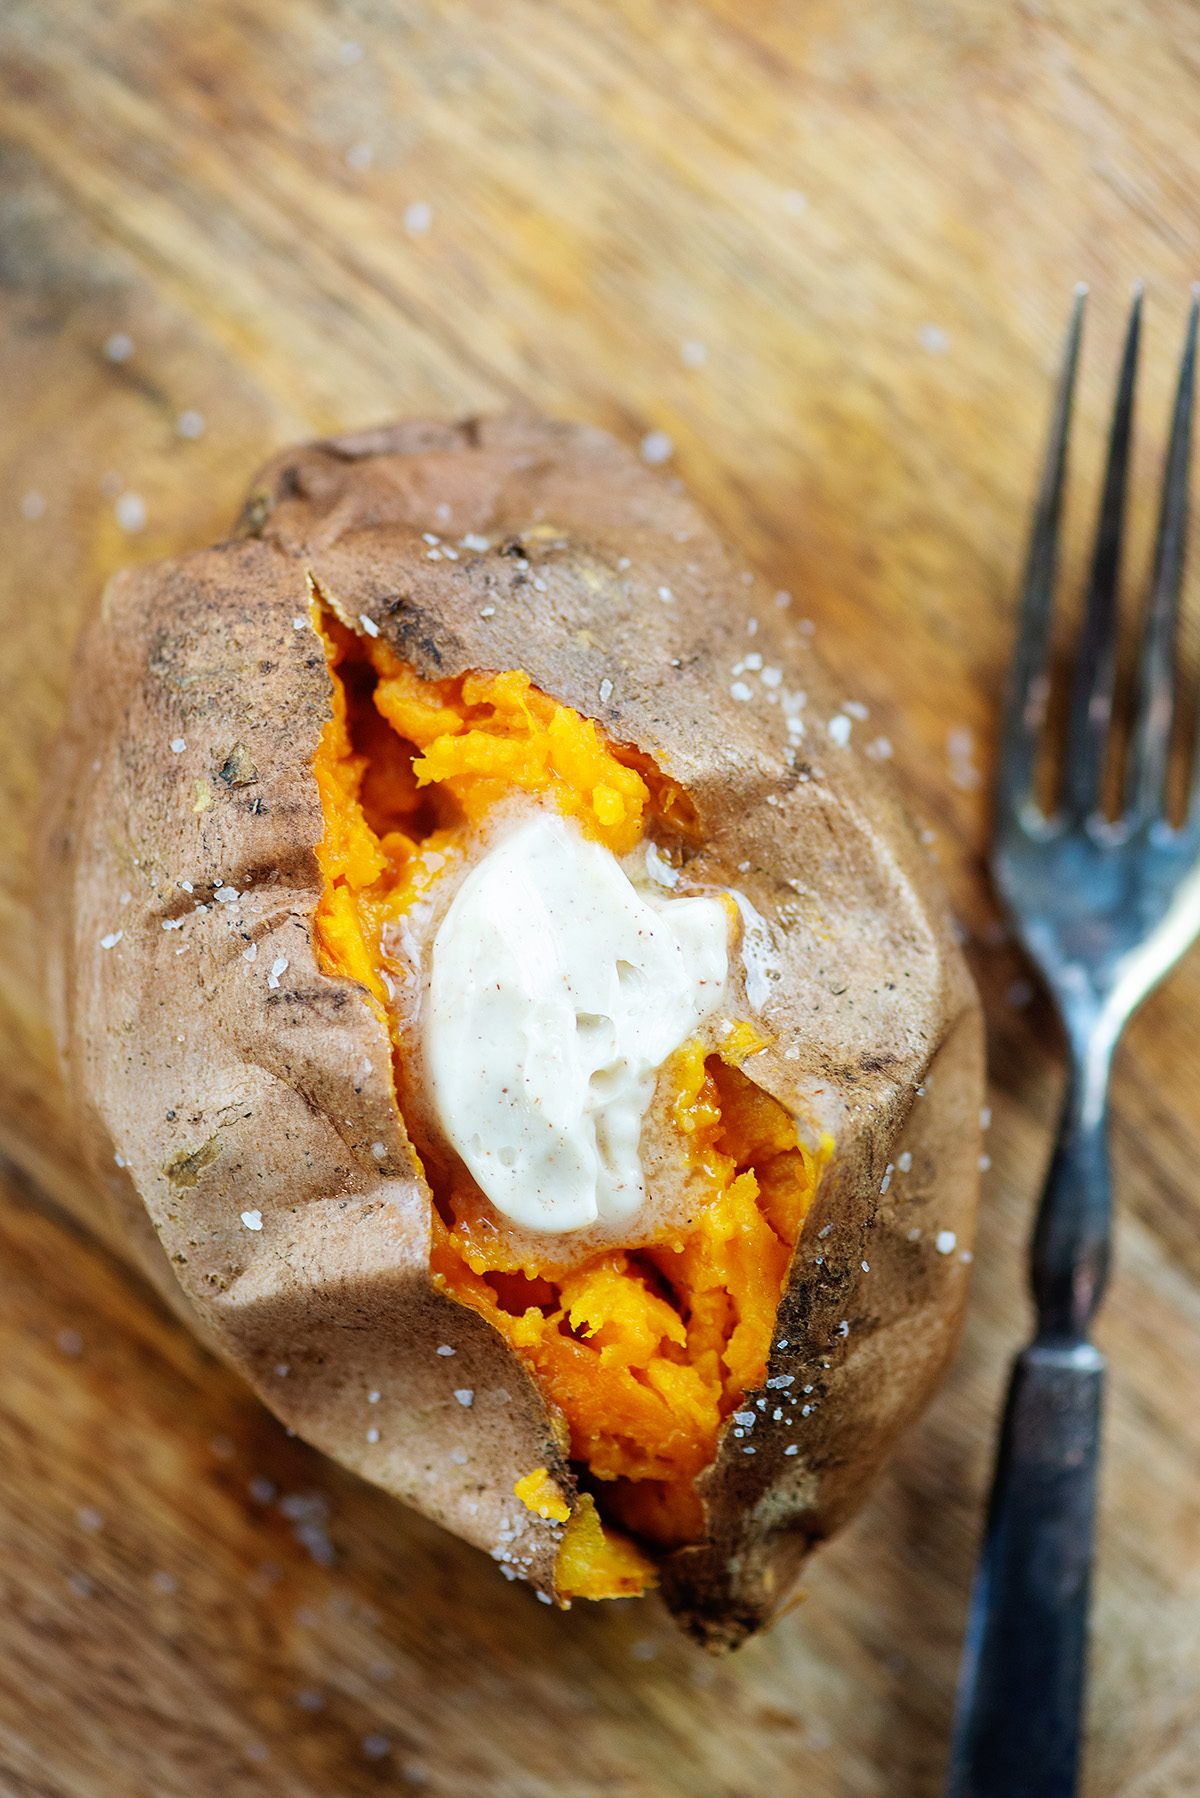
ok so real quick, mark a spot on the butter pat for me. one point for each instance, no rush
(557, 992)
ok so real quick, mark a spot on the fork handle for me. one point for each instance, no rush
(1017, 1728)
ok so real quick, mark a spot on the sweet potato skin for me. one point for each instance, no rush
(206, 1048)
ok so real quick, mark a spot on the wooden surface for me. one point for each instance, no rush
(863, 223)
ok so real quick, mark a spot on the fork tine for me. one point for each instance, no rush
(1156, 676)
(1028, 679)
(1095, 668)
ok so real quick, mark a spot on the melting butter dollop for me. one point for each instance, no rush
(557, 991)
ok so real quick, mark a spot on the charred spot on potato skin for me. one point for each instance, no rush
(254, 514)
(238, 769)
(186, 1166)
(411, 634)
(262, 501)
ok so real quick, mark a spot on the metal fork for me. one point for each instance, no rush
(1104, 910)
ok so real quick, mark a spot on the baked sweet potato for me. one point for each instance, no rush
(295, 779)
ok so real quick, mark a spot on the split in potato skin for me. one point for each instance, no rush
(645, 1351)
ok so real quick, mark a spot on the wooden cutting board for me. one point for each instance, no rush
(827, 252)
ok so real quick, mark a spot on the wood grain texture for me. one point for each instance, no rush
(311, 217)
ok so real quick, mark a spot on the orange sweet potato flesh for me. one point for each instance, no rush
(644, 1352)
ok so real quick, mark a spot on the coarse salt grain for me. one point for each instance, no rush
(666, 595)
(947, 1242)
(178, 745)
(297, 624)
(130, 512)
(379, 1151)
(278, 967)
(445, 1349)
(250, 954)
(488, 612)
(372, 1435)
(252, 1220)
(791, 1449)
(657, 447)
(740, 690)
(111, 941)
(839, 729)
(475, 542)
(771, 677)
(606, 688)
(368, 624)
(905, 1161)
(465, 1396)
